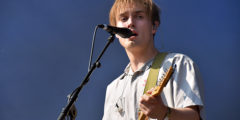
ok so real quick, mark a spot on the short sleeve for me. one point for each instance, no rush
(186, 87)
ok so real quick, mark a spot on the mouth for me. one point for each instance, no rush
(134, 33)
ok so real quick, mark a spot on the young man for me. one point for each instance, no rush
(181, 99)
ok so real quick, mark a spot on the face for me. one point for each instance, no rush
(135, 18)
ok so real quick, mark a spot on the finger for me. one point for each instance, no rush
(142, 107)
(150, 91)
(145, 99)
(149, 99)
(145, 110)
(147, 105)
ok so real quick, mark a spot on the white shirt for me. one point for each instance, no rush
(183, 89)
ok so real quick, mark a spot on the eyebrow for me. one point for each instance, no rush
(135, 12)
(140, 11)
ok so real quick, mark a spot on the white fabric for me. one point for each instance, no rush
(183, 89)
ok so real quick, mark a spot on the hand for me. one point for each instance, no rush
(152, 107)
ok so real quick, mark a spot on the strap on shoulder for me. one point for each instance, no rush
(154, 71)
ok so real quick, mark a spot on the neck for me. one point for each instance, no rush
(139, 58)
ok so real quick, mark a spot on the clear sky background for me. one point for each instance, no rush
(45, 47)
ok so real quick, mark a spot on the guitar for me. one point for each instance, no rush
(158, 89)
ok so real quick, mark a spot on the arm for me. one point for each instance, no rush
(188, 78)
(154, 108)
(188, 113)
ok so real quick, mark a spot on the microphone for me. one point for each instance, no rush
(123, 32)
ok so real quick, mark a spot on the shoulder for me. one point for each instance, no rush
(111, 91)
(186, 84)
(178, 57)
(115, 83)
(186, 70)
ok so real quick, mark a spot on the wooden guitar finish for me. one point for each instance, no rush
(158, 89)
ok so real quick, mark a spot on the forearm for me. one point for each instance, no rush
(188, 113)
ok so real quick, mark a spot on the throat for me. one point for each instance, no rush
(139, 58)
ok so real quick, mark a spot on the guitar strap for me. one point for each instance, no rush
(154, 71)
(153, 74)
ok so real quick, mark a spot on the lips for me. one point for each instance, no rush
(133, 37)
(134, 33)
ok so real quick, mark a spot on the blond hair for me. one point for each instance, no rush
(152, 10)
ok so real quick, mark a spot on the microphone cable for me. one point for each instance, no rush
(92, 48)
(91, 54)
(69, 117)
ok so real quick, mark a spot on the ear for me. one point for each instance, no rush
(155, 27)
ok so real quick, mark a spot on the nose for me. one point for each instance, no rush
(131, 23)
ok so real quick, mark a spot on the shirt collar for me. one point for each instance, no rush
(145, 67)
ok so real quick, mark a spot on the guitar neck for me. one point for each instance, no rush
(158, 89)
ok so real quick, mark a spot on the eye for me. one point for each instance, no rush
(123, 19)
(139, 16)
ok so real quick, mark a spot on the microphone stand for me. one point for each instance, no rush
(74, 96)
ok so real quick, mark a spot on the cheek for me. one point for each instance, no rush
(148, 28)
(121, 24)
